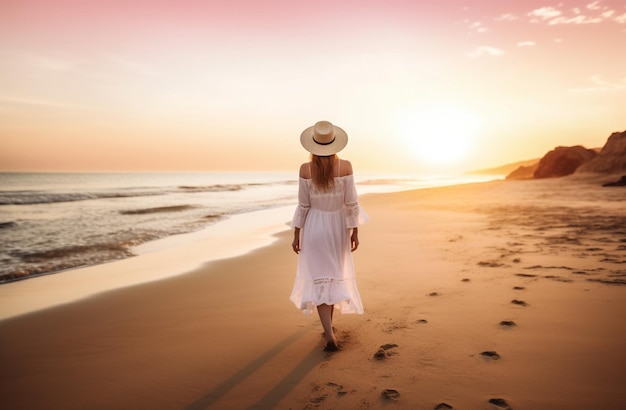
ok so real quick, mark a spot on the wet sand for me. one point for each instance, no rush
(483, 296)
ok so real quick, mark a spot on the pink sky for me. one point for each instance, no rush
(208, 85)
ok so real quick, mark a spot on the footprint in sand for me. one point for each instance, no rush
(388, 346)
(382, 352)
(443, 406)
(519, 302)
(609, 281)
(490, 354)
(338, 387)
(558, 278)
(390, 394)
(508, 323)
(490, 264)
(421, 321)
(518, 288)
(500, 403)
(319, 399)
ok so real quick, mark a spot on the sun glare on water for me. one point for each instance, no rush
(437, 133)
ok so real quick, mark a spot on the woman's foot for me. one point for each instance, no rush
(331, 346)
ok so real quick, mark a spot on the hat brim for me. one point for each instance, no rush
(309, 144)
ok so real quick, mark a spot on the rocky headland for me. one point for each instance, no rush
(564, 161)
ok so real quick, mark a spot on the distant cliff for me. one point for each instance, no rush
(524, 172)
(562, 161)
(508, 168)
(611, 159)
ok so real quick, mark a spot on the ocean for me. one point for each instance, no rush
(52, 222)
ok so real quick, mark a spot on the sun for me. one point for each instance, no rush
(438, 133)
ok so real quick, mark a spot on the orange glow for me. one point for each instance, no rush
(438, 133)
(217, 86)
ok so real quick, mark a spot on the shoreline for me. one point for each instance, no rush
(67, 238)
(237, 235)
(153, 262)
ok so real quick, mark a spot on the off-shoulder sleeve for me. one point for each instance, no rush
(304, 204)
(355, 215)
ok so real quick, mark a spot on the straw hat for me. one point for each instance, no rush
(323, 139)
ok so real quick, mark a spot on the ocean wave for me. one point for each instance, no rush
(68, 251)
(36, 197)
(39, 263)
(159, 209)
(213, 188)
(229, 187)
(46, 197)
(41, 235)
(22, 263)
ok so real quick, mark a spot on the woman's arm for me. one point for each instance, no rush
(296, 240)
(354, 239)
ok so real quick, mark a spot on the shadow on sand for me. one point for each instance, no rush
(282, 388)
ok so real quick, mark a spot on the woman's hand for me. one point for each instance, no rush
(354, 239)
(296, 241)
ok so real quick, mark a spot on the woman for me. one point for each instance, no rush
(326, 230)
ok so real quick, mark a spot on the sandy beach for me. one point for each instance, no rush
(480, 296)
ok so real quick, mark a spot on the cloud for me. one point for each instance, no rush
(476, 26)
(576, 20)
(543, 13)
(594, 6)
(479, 27)
(485, 51)
(507, 17)
(593, 13)
(607, 14)
(526, 44)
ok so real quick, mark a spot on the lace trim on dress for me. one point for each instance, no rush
(352, 214)
(299, 216)
(325, 292)
(336, 188)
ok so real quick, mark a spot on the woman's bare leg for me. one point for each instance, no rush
(326, 317)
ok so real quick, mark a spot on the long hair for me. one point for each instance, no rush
(323, 171)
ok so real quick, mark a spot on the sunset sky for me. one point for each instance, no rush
(419, 86)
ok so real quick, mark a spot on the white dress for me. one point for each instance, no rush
(325, 272)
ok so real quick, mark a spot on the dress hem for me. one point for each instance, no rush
(345, 306)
